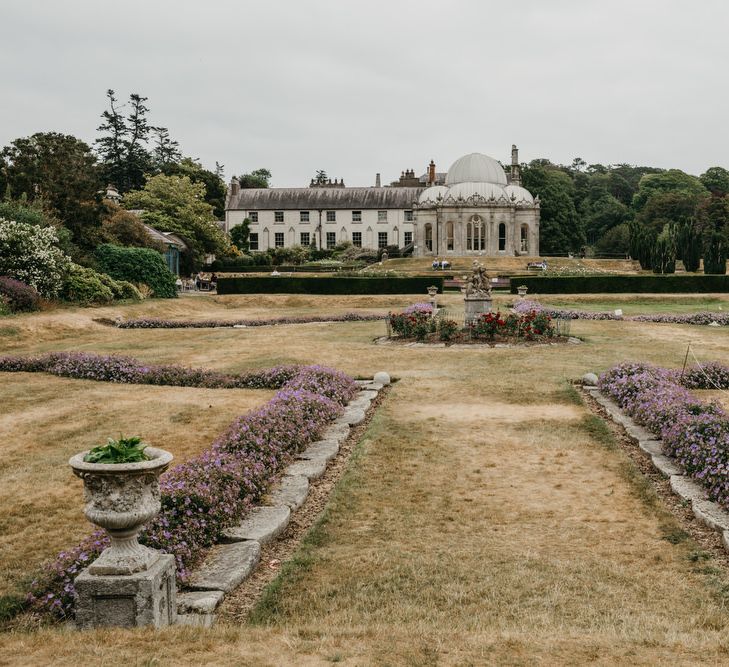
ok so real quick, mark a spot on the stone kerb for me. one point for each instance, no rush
(234, 560)
(707, 511)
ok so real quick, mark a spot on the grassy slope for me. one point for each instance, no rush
(487, 518)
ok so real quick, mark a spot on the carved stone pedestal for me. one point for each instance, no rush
(476, 306)
(128, 600)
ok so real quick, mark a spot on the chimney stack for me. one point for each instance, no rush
(515, 171)
(378, 184)
(431, 173)
(234, 186)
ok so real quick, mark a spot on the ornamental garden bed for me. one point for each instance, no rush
(214, 489)
(418, 324)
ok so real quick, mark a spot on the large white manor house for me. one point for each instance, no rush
(473, 209)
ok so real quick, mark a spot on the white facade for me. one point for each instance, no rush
(480, 210)
(367, 217)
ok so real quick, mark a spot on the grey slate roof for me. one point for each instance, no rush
(168, 238)
(312, 199)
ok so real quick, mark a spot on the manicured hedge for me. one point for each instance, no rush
(621, 284)
(137, 265)
(222, 267)
(327, 285)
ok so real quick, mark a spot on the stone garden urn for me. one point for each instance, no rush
(522, 290)
(432, 294)
(121, 498)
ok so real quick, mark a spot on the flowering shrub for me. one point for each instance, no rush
(488, 325)
(695, 433)
(711, 375)
(530, 325)
(447, 329)
(525, 306)
(152, 323)
(18, 295)
(88, 366)
(700, 318)
(30, 253)
(216, 488)
(415, 321)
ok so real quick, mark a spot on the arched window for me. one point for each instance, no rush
(449, 236)
(475, 234)
(525, 238)
(502, 237)
(429, 237)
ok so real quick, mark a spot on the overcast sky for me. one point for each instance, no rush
(357, 88)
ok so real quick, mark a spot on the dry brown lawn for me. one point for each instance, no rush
(486, 518)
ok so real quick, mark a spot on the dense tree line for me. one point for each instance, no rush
(61, 181)
(656, 216)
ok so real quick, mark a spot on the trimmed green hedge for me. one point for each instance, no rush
(642, 284)
(284, 268)
(327, 285)
(137, 265)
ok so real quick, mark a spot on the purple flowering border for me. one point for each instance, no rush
(701, 318)
(216, 488)
(155, 323)
(694, 433)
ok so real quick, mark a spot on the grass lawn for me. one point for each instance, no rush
(486, 517)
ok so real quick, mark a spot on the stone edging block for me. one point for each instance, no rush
(262, 525)
(708, 512)
(226, 567)
(231, 562)
(309, 468)
(321, 449)
(291, 491)
(198, 602)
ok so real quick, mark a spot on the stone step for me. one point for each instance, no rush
(262, 525)
(226, 567)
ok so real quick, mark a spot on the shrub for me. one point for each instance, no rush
(240, 263)
(153, 323)
(85, 286)
(17, 295)
(700, 318)
(530, 325)
(487, 325)
(295, 254)
(447, 329)
(137, 265)
(30, 254)
(619, 284)
(327, 285)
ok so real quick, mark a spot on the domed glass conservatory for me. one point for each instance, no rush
(479, 211)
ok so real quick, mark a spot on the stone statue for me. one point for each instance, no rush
(478, 284)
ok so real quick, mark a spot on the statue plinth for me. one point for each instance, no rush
(476, 305)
